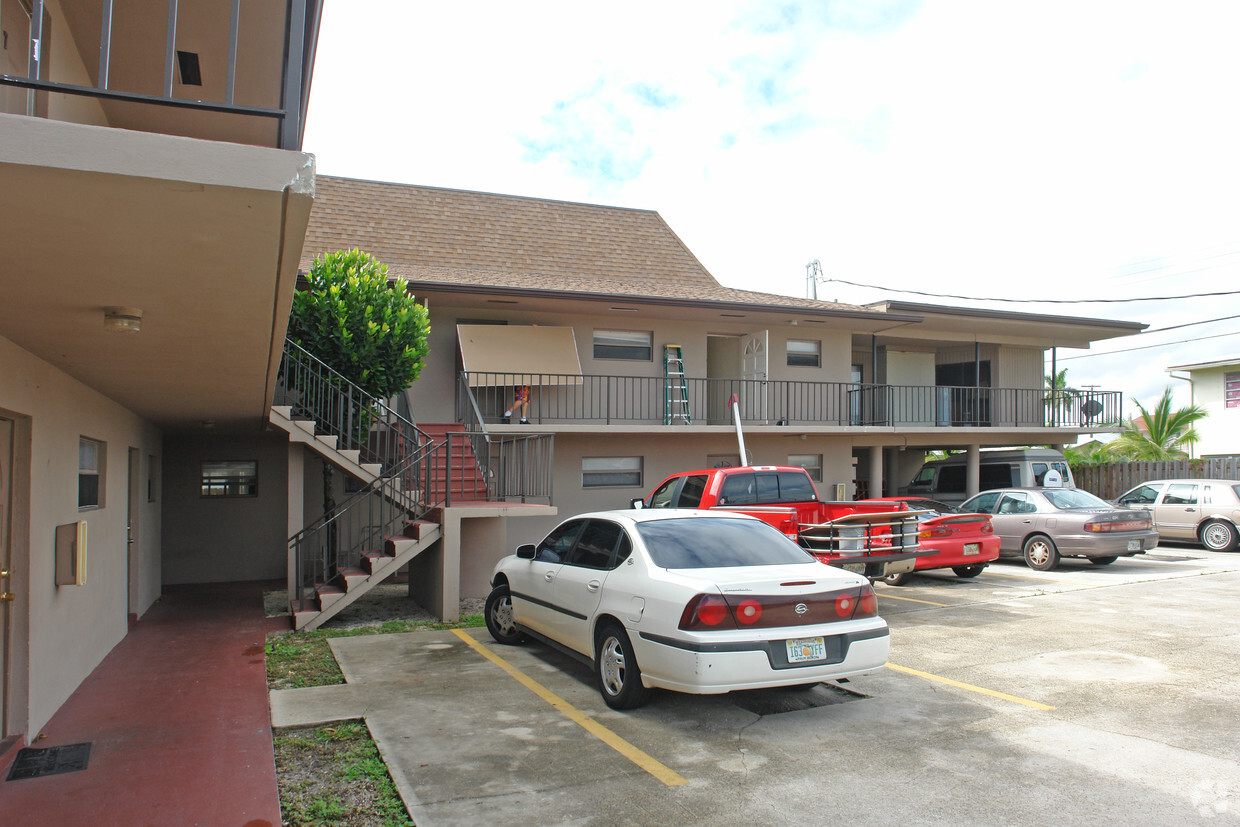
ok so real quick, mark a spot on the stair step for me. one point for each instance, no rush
(285, 411)
(306, 425)
(352, 575)
(372, 468)
(417, 529)
(329, 440)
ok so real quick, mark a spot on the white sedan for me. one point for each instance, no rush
(692, 601)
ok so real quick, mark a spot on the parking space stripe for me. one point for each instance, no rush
(913, 600)
(1043, 579)
(665, 774)
(980, 690)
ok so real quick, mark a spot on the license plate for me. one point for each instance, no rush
(972, 548)
(1134, 545)
(803, 650)
(855, 568)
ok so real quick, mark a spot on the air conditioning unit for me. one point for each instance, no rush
(841, 491)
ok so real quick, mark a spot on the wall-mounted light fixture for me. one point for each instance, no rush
(123, 319)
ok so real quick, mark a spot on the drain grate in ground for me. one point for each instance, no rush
(32, 763)
(775, 701)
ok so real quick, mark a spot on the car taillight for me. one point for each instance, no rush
(1098, 526)
(749, 611)
(706, 611)
(858, 603)
(987, 528)
(936, 531)
(790, 529)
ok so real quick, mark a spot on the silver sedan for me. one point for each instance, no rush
(1045, 524)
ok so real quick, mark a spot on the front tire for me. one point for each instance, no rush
(968, 571)
(616, 670)
(498, 613)
(1218, 535)
(1040, 553)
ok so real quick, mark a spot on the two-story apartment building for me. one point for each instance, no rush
(632, 350)
(1215, 386)
(153, 202)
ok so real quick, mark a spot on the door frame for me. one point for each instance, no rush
(133, 514)
(15, 645)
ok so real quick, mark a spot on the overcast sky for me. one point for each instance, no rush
(1052, 150)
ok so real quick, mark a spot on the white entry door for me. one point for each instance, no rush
(755, 404)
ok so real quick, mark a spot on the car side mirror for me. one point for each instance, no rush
(638, 503)
(527, 551)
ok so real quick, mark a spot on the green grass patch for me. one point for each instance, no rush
(300, 659)
(333, 775)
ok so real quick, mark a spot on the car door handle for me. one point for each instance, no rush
(549, 576)
(1190, 509)
(593, 585)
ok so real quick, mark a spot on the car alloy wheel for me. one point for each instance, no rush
(1218, 535)
(499, 618)
(1040, 553)
(619, 677)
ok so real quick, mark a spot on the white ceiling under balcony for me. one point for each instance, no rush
(203, 237)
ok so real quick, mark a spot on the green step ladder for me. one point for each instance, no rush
(675, 387)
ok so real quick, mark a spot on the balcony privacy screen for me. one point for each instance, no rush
(519, 355)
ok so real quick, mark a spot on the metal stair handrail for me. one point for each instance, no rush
(512, 465)
(362, 523)
(359, 420)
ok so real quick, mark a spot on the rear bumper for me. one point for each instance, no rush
(707, 667)
(1106, 545)
(951, 553)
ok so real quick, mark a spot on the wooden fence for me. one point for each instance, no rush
(1111, 479)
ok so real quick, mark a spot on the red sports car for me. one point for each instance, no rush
(964, 542)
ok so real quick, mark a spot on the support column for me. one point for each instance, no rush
(876, 471)
(296, 503)
(972, 470)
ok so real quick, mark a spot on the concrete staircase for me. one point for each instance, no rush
(374, 567)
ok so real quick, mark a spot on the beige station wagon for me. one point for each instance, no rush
(1205, 511)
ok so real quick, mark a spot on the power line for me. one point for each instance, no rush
(1148, 347)
(1036, 301)
(1186, 324)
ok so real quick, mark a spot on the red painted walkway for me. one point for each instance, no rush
(178, 722)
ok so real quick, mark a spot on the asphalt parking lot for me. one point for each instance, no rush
(1086, 694)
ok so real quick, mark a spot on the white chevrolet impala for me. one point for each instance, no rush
(692, 601)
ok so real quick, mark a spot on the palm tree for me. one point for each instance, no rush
(1162, 433)
(1059, 396)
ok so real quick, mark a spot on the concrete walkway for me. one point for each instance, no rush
(177, 721)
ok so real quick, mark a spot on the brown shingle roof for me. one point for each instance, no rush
(453, 237)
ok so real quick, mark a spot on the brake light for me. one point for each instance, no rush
(1099, 526)
(857, 604)
(987, 527)
(936, 531)
(749, 611)
(706, 611)
(867, 604)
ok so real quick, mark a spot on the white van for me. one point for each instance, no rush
(944, 479)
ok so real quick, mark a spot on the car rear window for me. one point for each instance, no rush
(1073, 498)
(713, 542)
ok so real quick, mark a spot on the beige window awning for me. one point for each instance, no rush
(518, 355)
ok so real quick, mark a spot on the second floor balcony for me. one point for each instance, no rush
(563, 399)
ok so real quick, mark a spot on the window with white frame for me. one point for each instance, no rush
(230, 478)
(812, 463)
(804, 353)
(635, 345)
(1231, 390)
(92, 462)
(603, 472)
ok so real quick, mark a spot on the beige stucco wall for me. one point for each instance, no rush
(65, 631)
(67, 66)
(1220, 431)
(214, 540)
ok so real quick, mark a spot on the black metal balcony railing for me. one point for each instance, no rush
(562, 398)
(514, 466)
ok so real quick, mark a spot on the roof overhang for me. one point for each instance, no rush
(574, 302)
(203, 237)
(968, 324)
(1217, 363)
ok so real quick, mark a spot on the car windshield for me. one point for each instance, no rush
(1074, 498)
(713, 542)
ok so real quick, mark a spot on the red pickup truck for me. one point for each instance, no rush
(874, 539)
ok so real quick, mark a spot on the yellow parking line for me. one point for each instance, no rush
(913, 600)
(668, 776)
(971, 687)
